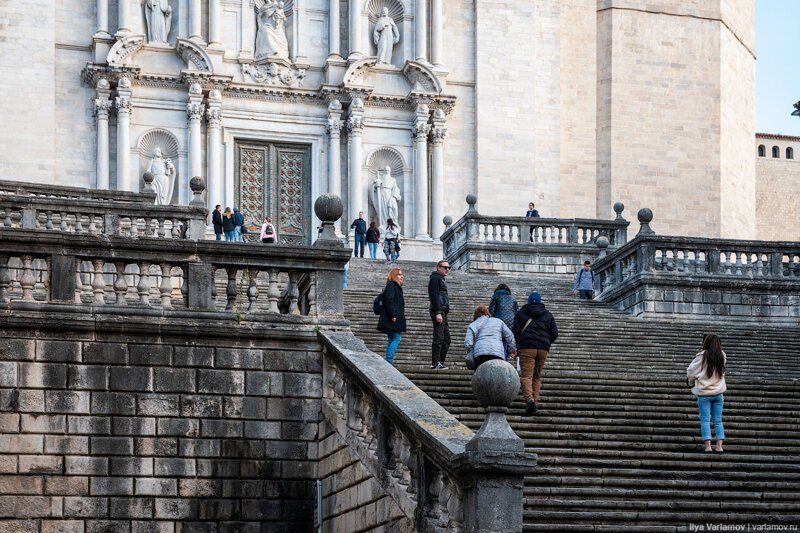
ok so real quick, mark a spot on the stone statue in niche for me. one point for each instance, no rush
(158, 14)
(386, 35)
(271, 41)
(163, 172)
(385, 195)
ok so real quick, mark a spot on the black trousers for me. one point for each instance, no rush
(441, 339)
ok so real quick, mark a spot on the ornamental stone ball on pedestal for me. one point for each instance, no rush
(148, 178)
(602, 243)
(645, 216)
(619, 207)
(471, 201)
(197, 185)
(328, 208)
(495, 385)
(447, 221)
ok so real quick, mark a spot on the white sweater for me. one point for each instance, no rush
(701, 384)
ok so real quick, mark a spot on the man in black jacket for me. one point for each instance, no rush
(216, 220)
(534, 330)
(359, 226)
(439, 307)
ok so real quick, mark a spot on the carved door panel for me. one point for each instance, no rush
(274, 180)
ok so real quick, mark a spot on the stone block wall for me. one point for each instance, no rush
(141, 427)
(778, 189)
(526, 258)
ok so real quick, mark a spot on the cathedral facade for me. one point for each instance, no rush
(402, 107)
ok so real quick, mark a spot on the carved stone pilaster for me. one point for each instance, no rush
(334, 128)
(194, 110)
(214, 148)
(124, 107)
(102, 109)
(419, 132)
(355, 127)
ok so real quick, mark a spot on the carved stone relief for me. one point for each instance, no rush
(386, 187)
(271, 40)
(275, 73)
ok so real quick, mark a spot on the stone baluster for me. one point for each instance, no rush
(216, 185)
(230, 289)
(102, 109)
(99, 282)
(134, 229)
(437, 510)
(252, 289)
(294, 293)
(420, 131)
(5, 280)
(49, 220)
(78, 223)
(759, 266)
(7, 219)
(165, 288)
(62, 222)
(273, 293)
(161, 225)
(92, 225)
(355, 126)
(185, 285)
(124, 107)
(143, 287)
(27, 281)
(312, 294)
(213, 282)
(78, 280)
(120, 284)
(151, 227)
(175, 232)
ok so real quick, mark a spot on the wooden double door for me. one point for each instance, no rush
(274, 180)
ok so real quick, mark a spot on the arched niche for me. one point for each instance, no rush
(396, 12)
(379, 159)
(170, 148)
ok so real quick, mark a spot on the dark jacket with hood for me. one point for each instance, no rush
(394, 306)
(504, 307)
(437, 294)
(216, 219)
(542, 330)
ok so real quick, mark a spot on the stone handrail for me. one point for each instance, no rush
(101, 216)
(149, 275)
(39, 190)
(427, 461)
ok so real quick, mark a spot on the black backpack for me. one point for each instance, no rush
(377, 304)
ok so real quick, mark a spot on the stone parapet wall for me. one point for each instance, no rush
(156, 425)
(521, 258)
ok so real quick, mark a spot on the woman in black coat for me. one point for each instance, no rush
(393, 316)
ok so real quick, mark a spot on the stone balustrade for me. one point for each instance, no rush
(430, 464)
(99, 216)
(700, 276)
(544, 245)
(116, 272)
(40, 190)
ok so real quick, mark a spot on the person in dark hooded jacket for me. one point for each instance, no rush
(393, 317)
(503, 305)
(534, 330)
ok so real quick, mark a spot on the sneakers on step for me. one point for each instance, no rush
(435, 366)
(441, 366)
(531, 408)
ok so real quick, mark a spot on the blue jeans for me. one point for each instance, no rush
(218, 236)
(391, 347)
(373, 249)
(237, 233)
(229, 236)
(711, 411)
(360, 241)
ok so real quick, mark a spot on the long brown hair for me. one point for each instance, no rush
(713, 358)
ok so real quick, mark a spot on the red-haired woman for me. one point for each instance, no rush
(393, 317)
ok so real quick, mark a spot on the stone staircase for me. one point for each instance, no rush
(618, 432)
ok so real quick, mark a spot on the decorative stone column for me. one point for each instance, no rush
(438, 133)
(334, 128)
(102, 18)
(195, 21)
(123, 17)
(421, 31)
(102, 108)
(355, 126)
(214, 164)
(437, 25)
(214, 23)
(194, 112)
(123, 105)
(333, 28)
(420, 134)
(355, 31)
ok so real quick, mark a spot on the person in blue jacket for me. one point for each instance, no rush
(584, 282)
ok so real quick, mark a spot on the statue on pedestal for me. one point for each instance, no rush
(271, 41)
(163, 172)
(158, 14)
(386, 35)
(385, 196)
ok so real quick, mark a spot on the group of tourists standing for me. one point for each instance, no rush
(371, 237)
(231, 225)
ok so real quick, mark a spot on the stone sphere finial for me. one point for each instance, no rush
(645, 216)
(619, 207)
(328, 208)
(602, 244)
(471, 201)
(357, 103)
(124, 83)
(335, 105)
(447, 221)
(197, 185)
(439, 114)
(148, 178)
(495, 384)
(103, 85)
